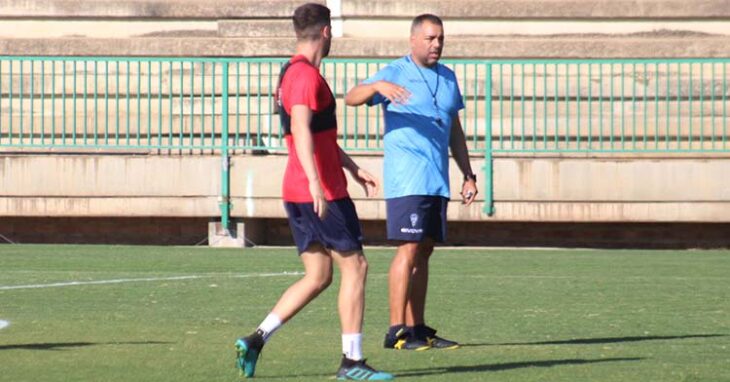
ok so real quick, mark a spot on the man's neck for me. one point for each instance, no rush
(311, 50)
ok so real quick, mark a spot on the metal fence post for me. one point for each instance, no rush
(488, 160)
(225, 200)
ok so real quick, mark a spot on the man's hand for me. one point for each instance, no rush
(318, 200)
(392, 92)
(368, 182)
(468, 191)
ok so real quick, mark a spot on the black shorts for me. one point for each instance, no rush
(414, 217)
(340, 229)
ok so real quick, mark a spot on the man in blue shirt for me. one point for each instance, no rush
(420, 100)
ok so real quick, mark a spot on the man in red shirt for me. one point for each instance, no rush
(321, 214)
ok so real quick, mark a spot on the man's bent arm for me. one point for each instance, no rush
(363, 93)
(360, 94)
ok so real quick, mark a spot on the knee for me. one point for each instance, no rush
(324, 282)
(362, 266)
(356, 266)
(406, 255)
(415, 254)
(320, 281)
(403, 264)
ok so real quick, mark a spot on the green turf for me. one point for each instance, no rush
(523, 315)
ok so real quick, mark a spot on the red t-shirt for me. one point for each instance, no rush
(303, 85)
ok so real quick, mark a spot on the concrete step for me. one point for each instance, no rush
(400, 28)
(148, 9)
(256, 111)
(388, 28)
(363, 28)
(650, 137)
(95, 28)
(469, 9)
(507, 133)
(458, 47)
(267, 144)
(263, 144)
(256, 28)
(258, 81)
(519, 108)
(137, 145)
(539, 9)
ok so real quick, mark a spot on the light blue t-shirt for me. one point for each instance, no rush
(416, 141)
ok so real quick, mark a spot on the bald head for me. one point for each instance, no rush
(426, 17)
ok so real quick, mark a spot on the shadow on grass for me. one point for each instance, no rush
(67, 345)
(474, 368)
(329, 376)
(591, 341)
(507, 366)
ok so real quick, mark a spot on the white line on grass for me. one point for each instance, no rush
(4, 324)
(120, 281)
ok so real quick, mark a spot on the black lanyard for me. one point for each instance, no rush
(434, 92)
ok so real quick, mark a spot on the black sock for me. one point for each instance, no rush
(419, 331)
(346, 362)
(396, 330)
(257, 339)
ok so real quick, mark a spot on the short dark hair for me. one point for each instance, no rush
(418, 20)
(309, 19)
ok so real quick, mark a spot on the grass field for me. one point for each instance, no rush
(173, 313)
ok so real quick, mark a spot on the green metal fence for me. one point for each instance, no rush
(181, 104)
(224, 106)
(605, 106)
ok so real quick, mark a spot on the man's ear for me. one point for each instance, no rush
(412, 41)
(327, 31)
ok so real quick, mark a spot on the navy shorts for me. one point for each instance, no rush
(340, 229)
(414, 217)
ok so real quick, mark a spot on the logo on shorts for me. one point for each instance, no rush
(414, 220)
(413, 229)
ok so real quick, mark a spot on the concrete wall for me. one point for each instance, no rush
(544, 189)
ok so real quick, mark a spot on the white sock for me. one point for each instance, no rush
(269, 325)
(352, 346)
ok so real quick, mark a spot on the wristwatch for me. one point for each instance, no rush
(470, 177)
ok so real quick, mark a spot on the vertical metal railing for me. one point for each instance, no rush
(607, 106)
(611, 106)
(173, 105)
(489, 147)
(225, 202)
(164, 104)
